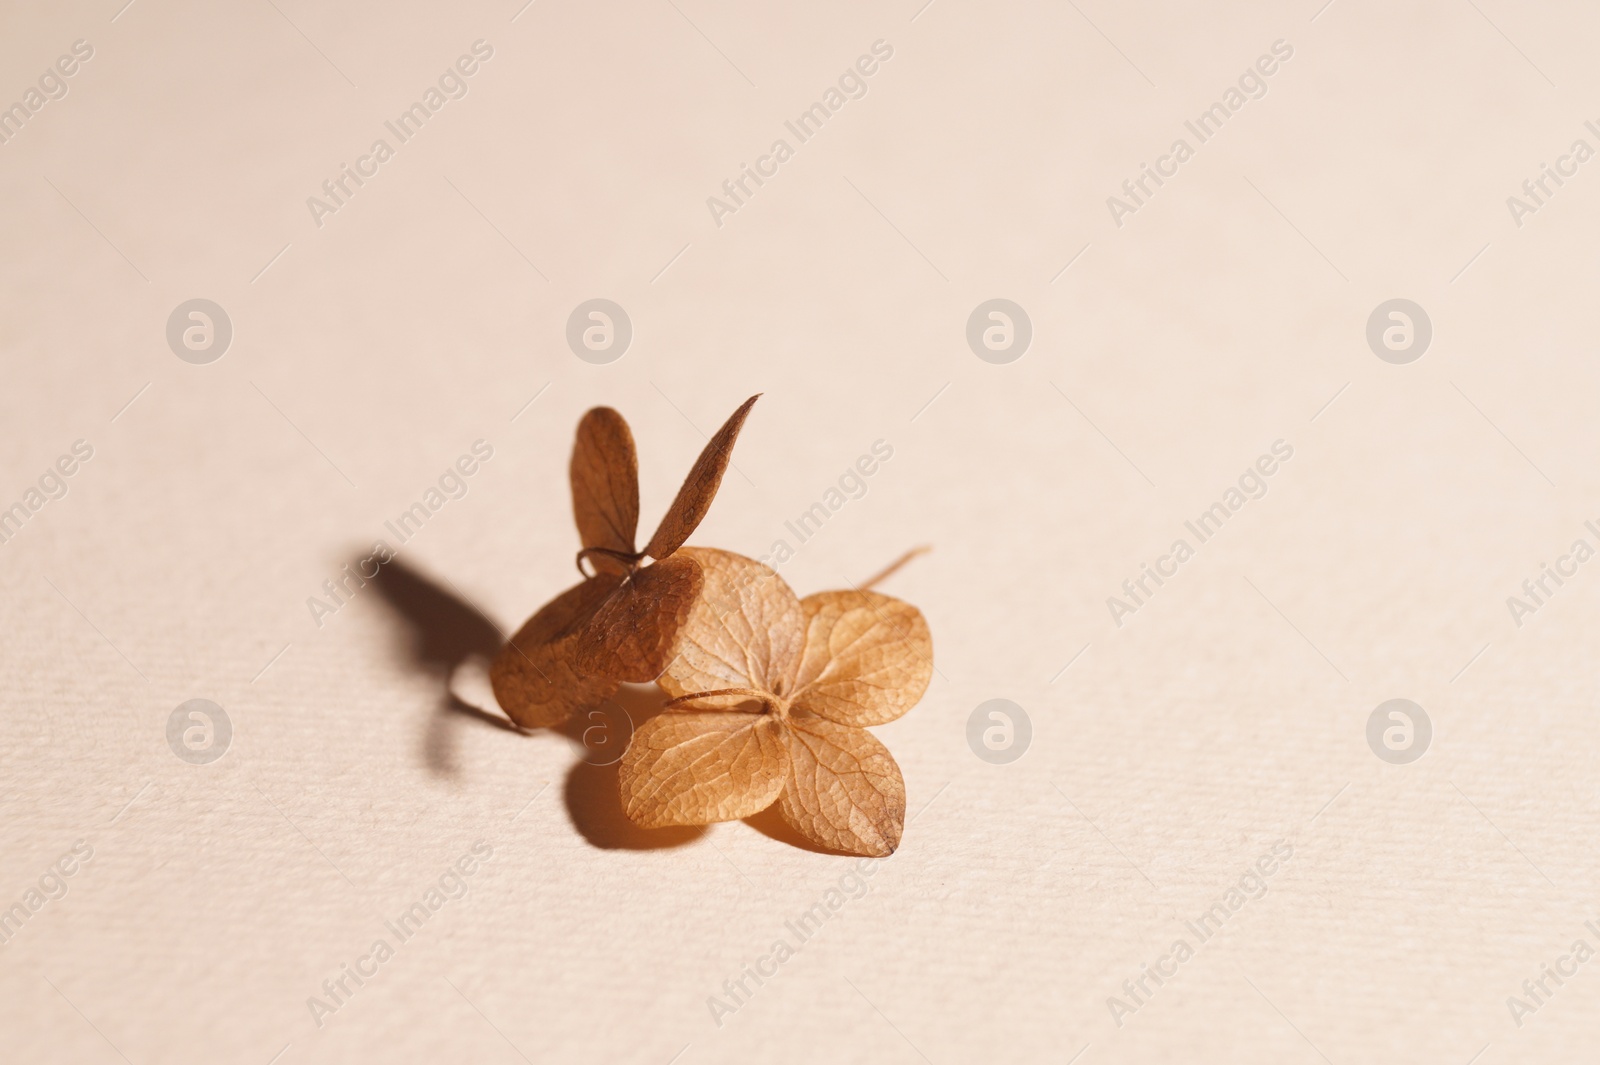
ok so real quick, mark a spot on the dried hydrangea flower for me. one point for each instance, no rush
(773, 695)
(622, 623)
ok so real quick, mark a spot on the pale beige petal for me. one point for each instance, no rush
(696, 768)
(745, 630)
(844, 790)
(868, 658)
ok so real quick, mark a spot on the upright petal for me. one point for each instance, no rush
(700, 487)
(605, 486)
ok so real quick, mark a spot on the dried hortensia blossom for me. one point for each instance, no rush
(622, 623)
(632, 633)
(772, 695)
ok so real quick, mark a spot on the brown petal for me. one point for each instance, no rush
(605, 486)
(844, 791)
(868, 657)
(699, 488)
(535, 679)
(696, 768)
(746, 629)
(635, 632)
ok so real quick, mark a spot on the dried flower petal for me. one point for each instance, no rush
(744, 631)
(695, 768)
(699, 488)
(868, 658)
(534, 676)
(844, 790)
(634, 634)
(605, 486)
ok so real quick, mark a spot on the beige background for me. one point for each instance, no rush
(1229, 713)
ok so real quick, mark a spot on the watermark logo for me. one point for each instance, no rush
(1537, 993)
(52, 85)
(452, 84)
(852, 484)
(52, 485)
(1566, 167)
(1538, 591)
(599, 331)
(47, 889)
(852, 85)
(999, 731)
(607, 734)
(451, 485)
(199, 331)
(999, 331)
(199, 731)
(451, 885)
(1251, 85)
(1251, 485)
(737, 991)
(1399, 731)
(1399, 331)
(1136, 990)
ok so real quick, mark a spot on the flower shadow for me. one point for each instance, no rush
(444, 632)
(593, 791)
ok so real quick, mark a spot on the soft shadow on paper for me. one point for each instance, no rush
(444, 634)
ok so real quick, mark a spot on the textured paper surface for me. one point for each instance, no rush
(373, 345)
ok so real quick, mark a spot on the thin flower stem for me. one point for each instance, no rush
(621, 556)
(893, 567)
